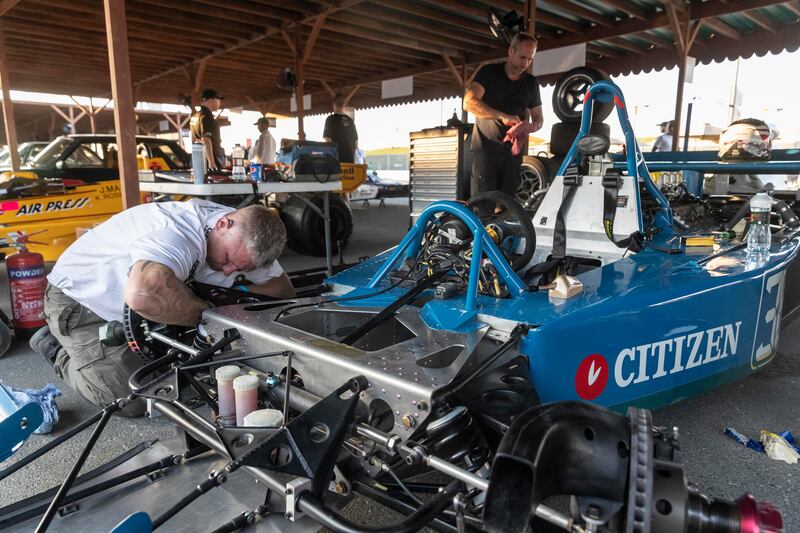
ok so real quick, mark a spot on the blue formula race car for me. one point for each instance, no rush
(599, 295)
(463, 350)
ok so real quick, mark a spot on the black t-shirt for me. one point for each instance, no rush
(202, 125)
(341, 129)
(509, 96)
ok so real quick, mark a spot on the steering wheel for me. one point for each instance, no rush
(510, 221)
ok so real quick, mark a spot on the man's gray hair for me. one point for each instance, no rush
(523, 37)
(263, 233)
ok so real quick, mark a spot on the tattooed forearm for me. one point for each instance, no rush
(154, 292)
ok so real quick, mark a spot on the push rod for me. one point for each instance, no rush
(44, 523)
(50, 445)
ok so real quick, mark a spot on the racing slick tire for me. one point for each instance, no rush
(533, 175)
(305, 229)
(6, 337)
(569, 91)
(563, 135)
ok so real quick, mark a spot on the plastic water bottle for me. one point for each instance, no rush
(238, 163)
(759, 237)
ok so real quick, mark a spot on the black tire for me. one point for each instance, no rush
(6, 336)
(569, 91)
(305, 228)
(533, 175)
(563, 135)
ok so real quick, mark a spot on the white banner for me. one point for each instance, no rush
(690, 63)
(559, 59)
(397, 87)
(306, 103)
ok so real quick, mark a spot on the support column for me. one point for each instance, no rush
(685, 32)
(530, 17)
(464, 114)
(178, 122)
(8, 107)
(351, 94)
(122, 92)
(676, 122)
(70, 118)
(91, 111)
(197, 82)
(298, 88)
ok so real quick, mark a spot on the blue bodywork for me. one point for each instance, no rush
(648, 330)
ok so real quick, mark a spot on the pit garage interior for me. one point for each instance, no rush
(131, 51)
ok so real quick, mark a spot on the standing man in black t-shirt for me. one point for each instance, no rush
(502, 95)
(205, 129)
(340, 129)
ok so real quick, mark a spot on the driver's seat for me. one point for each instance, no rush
(583, 208)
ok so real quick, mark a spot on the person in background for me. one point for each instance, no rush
(505, 99)
(142, 257)
(263, 152)
(361, 157)
(664, 141)
(205, 129)
(341, 129)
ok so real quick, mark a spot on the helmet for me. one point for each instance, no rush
(746, 139)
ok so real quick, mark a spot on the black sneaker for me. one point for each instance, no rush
(45, 344)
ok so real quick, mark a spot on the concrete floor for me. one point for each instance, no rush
(766, 400)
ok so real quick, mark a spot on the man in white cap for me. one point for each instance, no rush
(263, 151)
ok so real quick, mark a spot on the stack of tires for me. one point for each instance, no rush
(568, 106)
(568, 94)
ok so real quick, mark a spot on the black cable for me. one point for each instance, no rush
(359, 296)
(411, 524)
(232, 360)
(401, 506)
(403, 485)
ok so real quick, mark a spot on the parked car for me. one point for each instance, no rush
(387, 188)
(27, 151)
(73, 184)
(92, 158)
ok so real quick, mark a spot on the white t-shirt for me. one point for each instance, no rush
(264, 150)
(663, 143)
(94, 269)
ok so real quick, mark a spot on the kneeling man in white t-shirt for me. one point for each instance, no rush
(143, 257)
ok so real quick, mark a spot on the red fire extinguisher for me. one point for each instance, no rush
(26, 284)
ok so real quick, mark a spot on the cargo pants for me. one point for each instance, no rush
(99, 373)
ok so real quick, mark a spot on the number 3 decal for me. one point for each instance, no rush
(769, 320)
